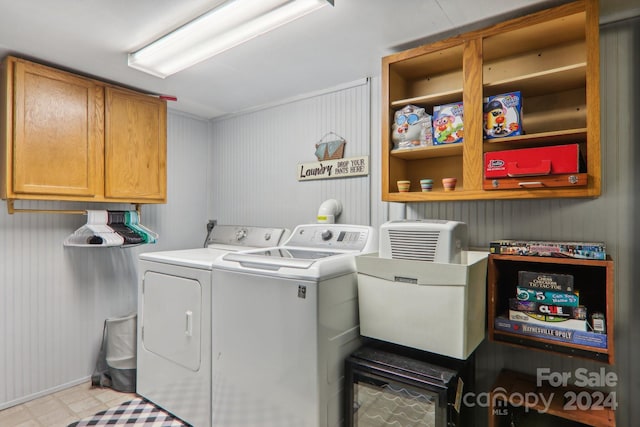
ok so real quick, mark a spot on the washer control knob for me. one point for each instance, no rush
(241, 234)
(326, 235)
(267, 236)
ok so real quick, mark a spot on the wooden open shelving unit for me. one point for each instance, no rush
(551, 57)
(593, 278)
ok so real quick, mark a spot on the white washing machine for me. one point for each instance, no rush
(174, 321)
(284, 320)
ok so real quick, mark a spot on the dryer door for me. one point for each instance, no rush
(172, 307)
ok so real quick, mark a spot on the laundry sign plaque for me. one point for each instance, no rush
(338, 168)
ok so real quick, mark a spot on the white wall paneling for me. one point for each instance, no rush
(183, 219)
(255, 158)
(53, 300)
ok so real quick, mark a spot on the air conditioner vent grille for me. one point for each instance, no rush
(414, 245)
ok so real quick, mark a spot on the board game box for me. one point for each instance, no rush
(548, 297)
(546, 281)
(552, 160)
(545, 320)
(579, 312)
(584, 250)
(447, 123)
(502, 115)
(590, 339)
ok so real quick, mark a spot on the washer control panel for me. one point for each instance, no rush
(334, 236)
(239, 235)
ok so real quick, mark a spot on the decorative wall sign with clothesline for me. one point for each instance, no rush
(331, 162)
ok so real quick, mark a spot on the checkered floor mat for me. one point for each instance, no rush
(135, 413)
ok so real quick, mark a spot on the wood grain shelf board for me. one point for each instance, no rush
(544, 138)
(512, 383)
(541, 82)
(550, 342)
(431, 99)
(432, 151)
(547, 181)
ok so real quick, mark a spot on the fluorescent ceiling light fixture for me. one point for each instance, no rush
(228, 25)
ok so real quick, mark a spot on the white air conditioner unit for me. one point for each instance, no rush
(424, 240)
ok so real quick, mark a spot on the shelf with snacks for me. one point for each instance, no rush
(549, 59)
(577, 320)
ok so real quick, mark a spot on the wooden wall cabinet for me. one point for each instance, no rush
(135, 146)
(72, 138)
(592, 278)
(551, 57)
(51, 132)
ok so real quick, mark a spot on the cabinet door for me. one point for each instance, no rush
(55, 135)
(135, 146)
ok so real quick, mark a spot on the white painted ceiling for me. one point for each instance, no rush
(327, 48)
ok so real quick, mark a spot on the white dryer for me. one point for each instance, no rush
(284, 320)
(174, 321)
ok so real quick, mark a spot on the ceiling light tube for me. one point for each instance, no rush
(228, 25)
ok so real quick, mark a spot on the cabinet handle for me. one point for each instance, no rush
(189, 326)
(531, 184)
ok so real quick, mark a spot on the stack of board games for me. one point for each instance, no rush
(547, 305)
(549, 300)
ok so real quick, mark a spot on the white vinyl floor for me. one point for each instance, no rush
(63, 407)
